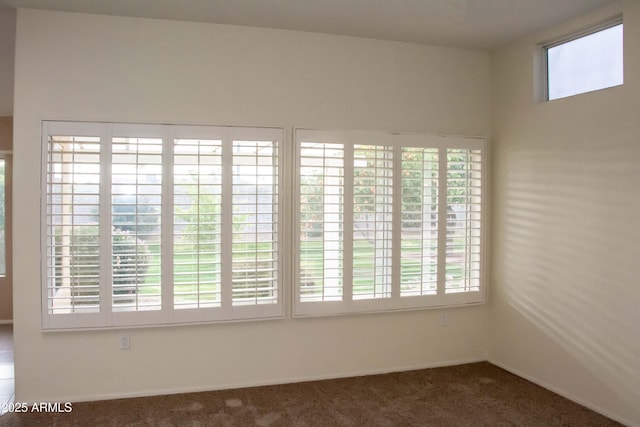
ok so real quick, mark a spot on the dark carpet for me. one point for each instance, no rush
(478, 394)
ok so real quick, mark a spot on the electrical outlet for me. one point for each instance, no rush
(125, 342)
(444, 319)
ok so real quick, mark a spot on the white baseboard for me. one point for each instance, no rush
(564, 394)
(6, 322)
(180, 390)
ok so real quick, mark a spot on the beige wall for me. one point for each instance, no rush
(7, 41)
(6, 133)
(565, 288)
(6, 292)
(84, 67)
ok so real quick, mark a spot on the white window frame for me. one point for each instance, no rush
(167, 314)
(547, 45)
(6, 156)
(347, 304)
(288, 238)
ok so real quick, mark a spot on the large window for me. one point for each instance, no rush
(387, 221)
(586, 62)
(153, 224)
(161, 224)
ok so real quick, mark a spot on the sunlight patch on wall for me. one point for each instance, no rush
(571, 262)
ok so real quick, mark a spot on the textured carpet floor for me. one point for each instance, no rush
(477, 394)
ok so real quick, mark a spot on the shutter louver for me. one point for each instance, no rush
(136, 202)
(463, 220)
(254, 223)
(197, 265)
(72, 215)
(372, 221)
(320, 208)
(419, 245)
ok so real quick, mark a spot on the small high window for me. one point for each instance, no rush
(585, 63)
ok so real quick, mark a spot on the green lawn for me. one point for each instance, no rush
(200, 274)
(197, 276)
(364, 270)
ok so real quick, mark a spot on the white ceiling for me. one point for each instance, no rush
(480, 24)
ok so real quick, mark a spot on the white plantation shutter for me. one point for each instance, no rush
(411, 237)
(160, 224)
(464, 202)
(255, 219)
(155, 224)
(372, 221)
(321, 204)
(226, 232)
(72, 224)
(136, 202)
(419, 205)
(197, 219)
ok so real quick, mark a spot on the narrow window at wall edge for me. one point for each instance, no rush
(4, 171)
(584, 62)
